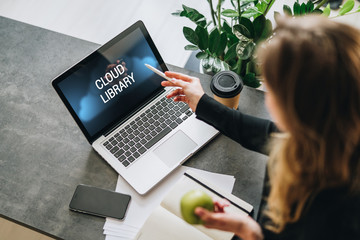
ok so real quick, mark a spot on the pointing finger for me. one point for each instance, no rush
(179, 76)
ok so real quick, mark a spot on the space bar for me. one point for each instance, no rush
(158, 137)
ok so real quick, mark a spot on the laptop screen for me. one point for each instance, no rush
(112, 82)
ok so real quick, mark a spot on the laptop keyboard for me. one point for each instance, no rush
(141, 134)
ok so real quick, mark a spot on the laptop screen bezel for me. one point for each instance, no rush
(55, 83)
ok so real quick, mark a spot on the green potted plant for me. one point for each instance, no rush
(228, 40)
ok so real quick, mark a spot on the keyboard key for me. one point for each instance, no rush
(158, 129)
(131, 143)
(173, 117)
(138, 145)
(126, 140)
(136, 132)
(106, 143)
(148, 137)
(158, 137)
(146, 131)
(143, 141)
(142, 150)
(111, 139)
(114, 142)
(184, 108)
(131, 159)
(119, 138)
(109, 146)
(121, 158)
(127, 153)
(168, 121)
(153, 133)
(136, 155)
(151, 127)
(133, 149)
(185, 117)
(151, 120)
(119, 153)
(116, 135)
(141, 135)
(114, 149)
(173, 125)
(141, 128)
(131, 136)
(126, 147)
(136, 139)
(179, 120)
(125, 163)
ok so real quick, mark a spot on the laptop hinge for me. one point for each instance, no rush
(107, 133)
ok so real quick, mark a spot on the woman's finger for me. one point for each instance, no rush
(175, 93)
(181, 99)
(180, 76)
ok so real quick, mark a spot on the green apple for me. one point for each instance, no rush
(192, 200)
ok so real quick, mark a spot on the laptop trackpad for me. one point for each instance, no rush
(175, 149)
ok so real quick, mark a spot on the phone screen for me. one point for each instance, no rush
(99, 202)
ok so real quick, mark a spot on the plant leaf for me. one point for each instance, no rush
(297, 9)
(227, 28)
(251, 80)
(317, 11)
(251, 12)
(230, 13)
(268, 30)
(201, 55)
(177, 13)
(241, 31)
(303, 8)
(193, 15)
(244, 49)
(203, 37)
(222, 44)
(191, 47)
(214, 40)
(309, 7)
(259, 25)
(347, 7)
(287, 10)
(326, 11)
(231, 53)
(190, 35)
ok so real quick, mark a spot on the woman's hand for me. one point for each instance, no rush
(243, 226)
(189, 91)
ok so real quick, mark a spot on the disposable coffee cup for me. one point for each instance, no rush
(226, 87)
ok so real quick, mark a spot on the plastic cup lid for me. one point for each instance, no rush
(226, 84)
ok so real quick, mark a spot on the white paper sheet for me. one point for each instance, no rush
(141, 206)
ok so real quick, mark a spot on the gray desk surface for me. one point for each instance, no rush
(43, 154)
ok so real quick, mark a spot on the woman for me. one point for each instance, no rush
(311, 70)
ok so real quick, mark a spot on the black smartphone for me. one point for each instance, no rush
(99, 202)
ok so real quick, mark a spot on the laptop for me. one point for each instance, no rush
(121, 108)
